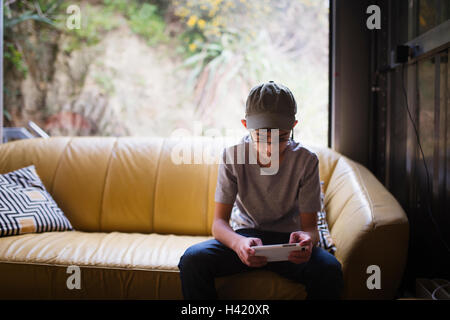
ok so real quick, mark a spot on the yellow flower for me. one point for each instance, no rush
(192, 46)
(192, 20)
(203, 7)
(201, 23)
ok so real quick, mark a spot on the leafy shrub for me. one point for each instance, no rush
(94, 23)
(144, 18)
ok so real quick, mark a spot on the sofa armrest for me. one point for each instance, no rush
(369, 227)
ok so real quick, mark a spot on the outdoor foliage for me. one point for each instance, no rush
(224, 47)
(225, 40)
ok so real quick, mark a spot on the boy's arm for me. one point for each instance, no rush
(223, 233)
(225, 196)
(221, 229)
(310, 204)
(309, 225)
(309, 236)
(309, 232)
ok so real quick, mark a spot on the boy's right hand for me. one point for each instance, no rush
(247, 254)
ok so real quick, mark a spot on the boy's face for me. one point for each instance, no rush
(262, 138)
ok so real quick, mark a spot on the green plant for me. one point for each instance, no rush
(219, 43)
(144, 19)
(12, 55)
(237, 41)
(38, 10)
(16, 13)
(215, 65)
(95, 22)
(207, 20)
(146, 22)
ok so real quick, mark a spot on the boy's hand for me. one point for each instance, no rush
(247, 254)
(304, 239)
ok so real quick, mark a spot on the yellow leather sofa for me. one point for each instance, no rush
(135, 212)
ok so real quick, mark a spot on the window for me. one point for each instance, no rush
(147, 68)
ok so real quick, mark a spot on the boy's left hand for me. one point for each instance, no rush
(304, 239)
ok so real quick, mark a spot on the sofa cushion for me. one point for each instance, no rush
(115, 249)
(117, 265)
(26, 206)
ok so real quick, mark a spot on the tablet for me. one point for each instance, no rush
(277, 252)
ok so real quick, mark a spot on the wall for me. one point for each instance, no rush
(420, 86)
(350, 45)
(371, 123)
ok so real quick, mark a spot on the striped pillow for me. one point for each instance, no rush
(325, 240)
(25, 205)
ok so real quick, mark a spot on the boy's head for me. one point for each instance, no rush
(270, 106)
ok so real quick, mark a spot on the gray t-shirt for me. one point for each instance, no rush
(270, 202)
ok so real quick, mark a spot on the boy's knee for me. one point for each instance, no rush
(333, 265)
(187, 258)
(325, 276)
(328, 266)
(334, 270)
(192, 257)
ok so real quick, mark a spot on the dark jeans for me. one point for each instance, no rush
(202, 262)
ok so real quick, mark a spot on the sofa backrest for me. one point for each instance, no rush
(370, 230)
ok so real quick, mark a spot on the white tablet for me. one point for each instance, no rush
(277, 252)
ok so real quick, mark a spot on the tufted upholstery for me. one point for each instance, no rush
(135, 212)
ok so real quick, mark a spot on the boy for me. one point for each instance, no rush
(272, 208)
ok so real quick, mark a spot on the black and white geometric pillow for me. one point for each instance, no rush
(26, 206)
(325, 240)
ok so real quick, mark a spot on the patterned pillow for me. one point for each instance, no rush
(25, 205)
(325, 240)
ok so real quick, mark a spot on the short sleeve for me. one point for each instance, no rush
(226, 188)
(309, 190)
